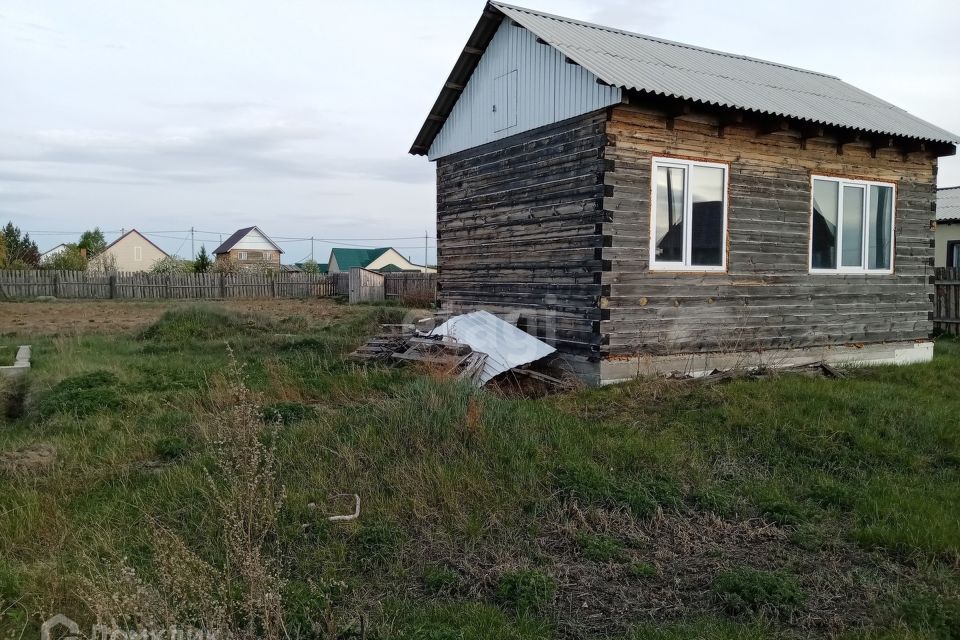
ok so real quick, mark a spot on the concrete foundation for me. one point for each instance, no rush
(626, 368)
(20, 365)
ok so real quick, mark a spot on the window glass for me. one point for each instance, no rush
(825, 219)
(852, 225)
(953, 253)
(852, 254)
(879, 227)
(669, 216)
(706, 223)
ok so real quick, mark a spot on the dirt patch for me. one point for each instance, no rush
(30, 460)
(686, 552)
(71, 317)
(664, 569)
(13, 394)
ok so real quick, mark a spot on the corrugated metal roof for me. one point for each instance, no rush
(348, 258)
(948, 204)
(505, 345)
(642, 63)
(239, 235)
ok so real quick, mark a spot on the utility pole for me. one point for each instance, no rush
(193, 247)
(425, 250)
(311, 249)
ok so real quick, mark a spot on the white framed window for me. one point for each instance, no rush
(137, 254)
(688, 223)
(851, 226)
(241, 255)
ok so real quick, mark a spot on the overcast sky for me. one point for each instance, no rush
(297, 116)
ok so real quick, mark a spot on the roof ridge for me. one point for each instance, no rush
(139, 233)
(592, 25)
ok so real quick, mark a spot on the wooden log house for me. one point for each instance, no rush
(648, 206)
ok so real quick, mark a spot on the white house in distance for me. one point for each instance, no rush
(384, 259)
(50, 254)
(130, 252)
(947, 235)
(249, 247)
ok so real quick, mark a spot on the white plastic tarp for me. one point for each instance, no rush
(505, 345)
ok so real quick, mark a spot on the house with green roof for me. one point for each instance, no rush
(385, 260)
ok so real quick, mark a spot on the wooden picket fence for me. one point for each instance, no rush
(410, 287)
(946, 300)
(137, 286)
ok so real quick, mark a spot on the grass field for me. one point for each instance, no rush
(788, 506)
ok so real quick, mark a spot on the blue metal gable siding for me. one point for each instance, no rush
(534, 85)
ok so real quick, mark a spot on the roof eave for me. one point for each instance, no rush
(941, 147)
(462, 70)
(486, 28)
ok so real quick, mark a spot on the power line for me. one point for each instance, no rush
(165, 234)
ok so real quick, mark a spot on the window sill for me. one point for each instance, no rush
(679, 268)
(850, 272)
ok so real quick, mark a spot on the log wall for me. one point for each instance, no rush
(518, 228)
(766, 299)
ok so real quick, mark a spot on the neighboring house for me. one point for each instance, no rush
(947, 236)
(250, 247)
(385, 260)
(648, 206)
(301, 267)
(130, 252)
(49, 254)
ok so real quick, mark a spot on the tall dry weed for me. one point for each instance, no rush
(240, 597)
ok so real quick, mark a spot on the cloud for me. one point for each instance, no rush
(19, 195)
(275, 150)
(629, 15)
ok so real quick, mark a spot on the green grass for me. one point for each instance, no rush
(472, 503)
(745, 591)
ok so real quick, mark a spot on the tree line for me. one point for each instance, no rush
(19, 251)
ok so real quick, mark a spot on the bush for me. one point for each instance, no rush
(600, 548)
(525, 590)
(743, 591)
(931, 612)
(13, 394)
(171, 448)
(377, 543)
(286, 412)
(782, 511)
(439, 581)
(200, 323)
(81, 395)
(590, 483)
(172, 264)
(715, 501)
(642, 570)
(69, 259)
(92, 380)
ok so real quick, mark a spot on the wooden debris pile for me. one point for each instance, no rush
(453, 357)
(430, 343)
(403, 344)
(381, 347)
(813, 369)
